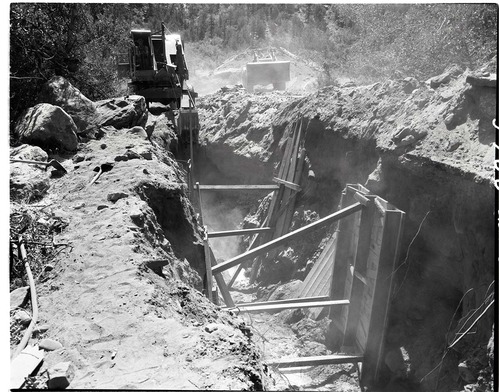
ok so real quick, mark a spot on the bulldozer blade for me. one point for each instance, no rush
(56, 165)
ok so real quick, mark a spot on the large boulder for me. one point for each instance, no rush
(47, 126)
(59, 92)
(124, 112)
(28, 182)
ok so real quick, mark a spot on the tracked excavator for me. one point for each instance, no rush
(265, 69)
(157, 70)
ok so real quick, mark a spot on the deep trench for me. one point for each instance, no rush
(446, 247)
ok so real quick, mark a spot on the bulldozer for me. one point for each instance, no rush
(156, 68)
(266, 69)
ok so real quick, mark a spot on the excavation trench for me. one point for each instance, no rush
(444, 271)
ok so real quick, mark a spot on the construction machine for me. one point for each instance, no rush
(156, 67)
(266, 69)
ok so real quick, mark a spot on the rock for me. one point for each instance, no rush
(139, 131)
(78, 158)
(210, 328)
(28, 182)
(147, 155)
(49, 344)
(48, 267)
(103, 146)
(101, 207)
(130, 154)
(59, 92)
(120, 158)
(376, 181)
(465, 373)
(116, 196)
(19, 297)
(437, 81)
(28, 153)
(286, 291)
(394, 361)
(482, 80)
(122, 112)
(47, 126)
(23, 317)
(410, 84)
(60, 375)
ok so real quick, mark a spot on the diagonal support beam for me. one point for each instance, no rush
(262, 249)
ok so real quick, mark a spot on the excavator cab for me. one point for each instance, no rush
(266, 69)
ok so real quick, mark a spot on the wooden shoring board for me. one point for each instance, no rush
(262, 249)
(284, 301)
(275, 203)
(287, 205)
(389, 254)
(292, 200)
(287, 184)
(342, 256)
(222, 286)
(208, 263)
(360, 264)
(294, 305)
(318, 280)
(318, 270)
(266, 187)
(228, 233)
(332, 359)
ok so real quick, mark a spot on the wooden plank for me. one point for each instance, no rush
(295, 305)
(319, 269)
(24, 364)
(275, 203)
(222, 286)
(287, 206)
(292, 200)
(394, 222)
(228, 233)
(332, 359)
(285, 301)
(287, 184)
(207, 261)
(287, 237)
(358, 275)
(343, 255)
(268, 187)
(360, 265)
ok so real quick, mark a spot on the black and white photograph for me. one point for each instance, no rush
(252, 196)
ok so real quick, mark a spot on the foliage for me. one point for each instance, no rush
(362, 41)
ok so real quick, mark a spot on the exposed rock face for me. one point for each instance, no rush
(46, 125)
(425, 147)
(59, 92)
(125, 112)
